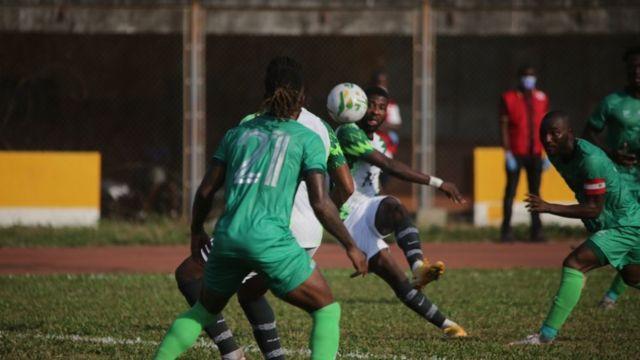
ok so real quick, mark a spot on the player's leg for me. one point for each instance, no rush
(626, 265)
(617, 288)
(315, 297)
(513, 176)
(533, 166)
(292, 276)
(383, 265)
(222, 279)
(581, 260)
(260, 315)
(392, 216)
(189, 277)
(631, 275)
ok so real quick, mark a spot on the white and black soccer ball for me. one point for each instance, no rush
(347, 103)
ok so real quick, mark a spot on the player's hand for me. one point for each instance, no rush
(452, 192)
(624, 157)
(536, 204)
(359, 261)
(510, 161)
(199, 239)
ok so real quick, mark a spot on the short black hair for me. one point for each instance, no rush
(524, 67)
(552, 116)
(376, 91)
(631, 51)
(283, 71)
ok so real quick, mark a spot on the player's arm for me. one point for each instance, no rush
(343, 185)
(202, 203)
(338, 169)
(593, 133)
(590, 209)
(405, 172)
(326, 211)
(504, 126)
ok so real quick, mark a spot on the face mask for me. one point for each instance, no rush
(528, 82)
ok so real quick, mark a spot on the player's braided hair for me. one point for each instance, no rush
(283, 87)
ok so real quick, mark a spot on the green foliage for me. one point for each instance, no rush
(38, 315)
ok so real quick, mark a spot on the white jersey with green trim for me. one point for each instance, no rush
(366, 176)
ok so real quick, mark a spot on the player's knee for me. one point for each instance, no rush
(631, 278)
(393, 209)
(573, 261)
(189, 270)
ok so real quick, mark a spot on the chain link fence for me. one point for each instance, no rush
(575, 71)
(118, 90)
(119, 95)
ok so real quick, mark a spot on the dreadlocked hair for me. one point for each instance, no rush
(283, 102)
(283, 87)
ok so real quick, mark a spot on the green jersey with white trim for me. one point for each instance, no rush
(264, 159)
(591, 172)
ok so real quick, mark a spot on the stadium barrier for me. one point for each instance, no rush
(49, 188)
(489, 183)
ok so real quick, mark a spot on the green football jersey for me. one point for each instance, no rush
(265, 159)
(336, 156)
(591, 172)
(620, 114)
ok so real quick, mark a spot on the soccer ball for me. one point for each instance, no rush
(347, 103)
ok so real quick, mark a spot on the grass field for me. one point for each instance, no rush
(167, 232)
(123, 316)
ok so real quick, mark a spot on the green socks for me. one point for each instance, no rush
(184, 332)
(564, 302)
(325, 335)
(617, 288)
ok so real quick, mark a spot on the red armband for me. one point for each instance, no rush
(595, 187)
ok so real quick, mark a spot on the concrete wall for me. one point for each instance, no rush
(316, 17)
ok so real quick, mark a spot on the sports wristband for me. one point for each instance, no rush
(435, 182)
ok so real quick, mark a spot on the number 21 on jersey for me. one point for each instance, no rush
(246, 174)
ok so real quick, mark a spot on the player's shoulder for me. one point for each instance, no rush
(250, 117)
(348, 129)
(591, 154)
(615, 97)
(301, 132)
(315, 123)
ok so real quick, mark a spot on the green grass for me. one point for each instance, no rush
(167, 232)
(154, 232)
(495, 306)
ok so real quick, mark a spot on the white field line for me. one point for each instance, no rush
(201, 343)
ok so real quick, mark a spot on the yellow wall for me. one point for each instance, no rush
(490, 181)
(49, 179)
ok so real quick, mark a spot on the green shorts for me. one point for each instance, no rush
(618, 246)
(285, 266)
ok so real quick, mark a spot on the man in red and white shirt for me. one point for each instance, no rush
(521, 111)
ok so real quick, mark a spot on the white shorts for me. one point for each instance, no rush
(361, 224)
